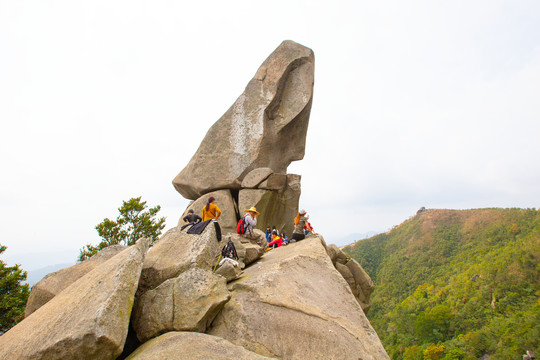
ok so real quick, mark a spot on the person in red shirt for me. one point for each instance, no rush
(276, 240)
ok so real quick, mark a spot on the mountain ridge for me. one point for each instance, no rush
(447, 277)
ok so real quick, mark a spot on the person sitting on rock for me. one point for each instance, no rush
(274, 229)
(308, 229)
(268, 233)
(210, 210)
(284, 238)
(277, 241)
(300, 221)
(250, 220)
(190, 219)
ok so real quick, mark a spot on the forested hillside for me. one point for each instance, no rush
(456, 284)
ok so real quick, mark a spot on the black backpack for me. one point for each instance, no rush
(229, 251)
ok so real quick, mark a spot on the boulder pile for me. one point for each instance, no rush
(288, 303)
(181, 299)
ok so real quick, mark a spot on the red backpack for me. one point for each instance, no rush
(241, 227)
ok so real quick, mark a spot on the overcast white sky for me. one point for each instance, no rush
(418, 103)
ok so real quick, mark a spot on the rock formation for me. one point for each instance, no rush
(87, 320)
(55, 282)
(176, 252)
(188, 302)
(247, 151)
(265, 128)
(293, 304)
(358, 280)
(305, 300)
(192, 346)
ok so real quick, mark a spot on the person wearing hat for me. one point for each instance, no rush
(300, 221)
(250, 220)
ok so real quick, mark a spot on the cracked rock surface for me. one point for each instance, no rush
(294, 304)
(192, 346)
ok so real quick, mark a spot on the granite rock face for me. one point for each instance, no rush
(55, 282)
(255, 177)
(277, 207)
(359, 281)
(305, 300)
(229, 271)
(192, 346)
(87, 320)
(296, 290)
(176, 252)
(188, 302)
(265, 128)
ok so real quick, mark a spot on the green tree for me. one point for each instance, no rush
(434, 351)
(132, 224)
(13, 294)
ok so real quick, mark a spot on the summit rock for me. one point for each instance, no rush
(265, 128)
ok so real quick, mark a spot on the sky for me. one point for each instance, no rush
(417, 103)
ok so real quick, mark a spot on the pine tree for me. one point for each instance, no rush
(13, 294)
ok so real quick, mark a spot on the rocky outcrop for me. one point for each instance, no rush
(359, 281)
(363, 284)
(293, 304)
(192, 346)
(87, 320)
(55, 282)
(229, 271)
(265, 128)
(255, 177)
(248, 248)
(176, 252)
(277, 207)
(188, 302)
(301, 301)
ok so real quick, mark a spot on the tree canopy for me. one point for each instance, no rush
(13, 294)
(132, 223)
(455, 284)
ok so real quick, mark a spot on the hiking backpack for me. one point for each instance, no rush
(229, 251)
(241, 227)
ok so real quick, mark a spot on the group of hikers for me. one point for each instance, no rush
(302, 227)
(248, 222)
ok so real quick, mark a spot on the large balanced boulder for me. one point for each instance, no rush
(188, 302)
(88, 320)
(192, 346)
(293, 304)
(226, 204)
(265, 128)
(55, 282)
(277, 207)
(176, 252)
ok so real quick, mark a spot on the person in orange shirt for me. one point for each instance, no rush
(210, 210)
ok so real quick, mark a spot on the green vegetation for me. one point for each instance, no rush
(13, 294)
(456, 284)
(132, 224)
